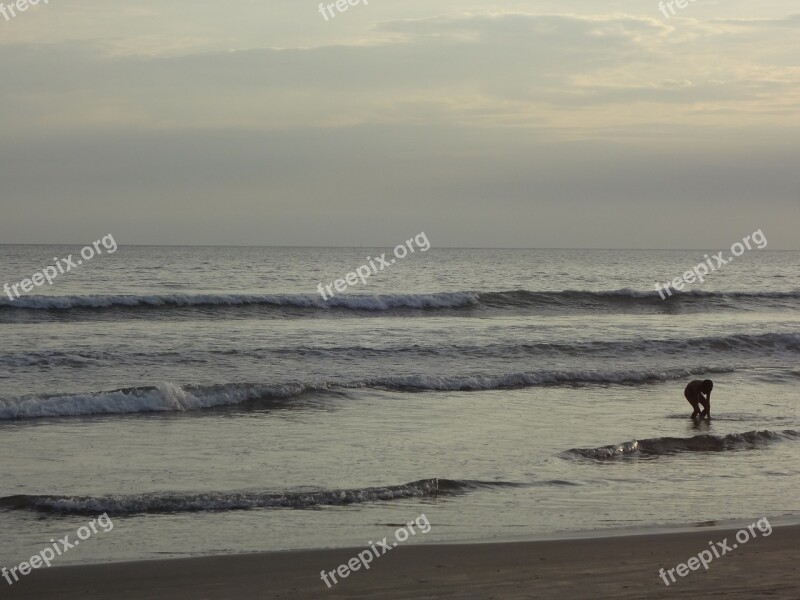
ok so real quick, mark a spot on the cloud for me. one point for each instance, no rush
(505, 126)
(507, 70)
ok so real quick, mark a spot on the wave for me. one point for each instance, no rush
(665, 446)
(164, 397)
(761, 343)
(172, 502)
(789, 342)
(765, 342)
(50, 358)
(619, 300)
(168, 397)
(302, 301)
(536, 379)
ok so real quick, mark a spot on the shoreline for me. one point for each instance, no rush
(611, 566)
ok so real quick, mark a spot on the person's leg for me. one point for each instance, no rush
(693, 402)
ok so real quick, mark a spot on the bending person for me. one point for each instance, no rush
(698, 393)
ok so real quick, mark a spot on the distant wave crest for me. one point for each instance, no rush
(302, 301)
(684, 346)
(621, 299)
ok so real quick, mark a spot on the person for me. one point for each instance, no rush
(694, 393)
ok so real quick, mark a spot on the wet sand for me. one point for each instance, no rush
(611, 567)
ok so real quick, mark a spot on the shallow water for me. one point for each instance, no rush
(211, 402)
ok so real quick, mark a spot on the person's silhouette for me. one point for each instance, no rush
(694, 394)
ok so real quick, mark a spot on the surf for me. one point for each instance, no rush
(667, 446)
(169, 397)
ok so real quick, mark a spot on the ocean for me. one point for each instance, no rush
(210, 401)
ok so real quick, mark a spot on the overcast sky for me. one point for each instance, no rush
(569, 123)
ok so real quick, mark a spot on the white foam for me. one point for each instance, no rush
(165, 397)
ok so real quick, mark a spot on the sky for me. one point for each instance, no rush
(531, 123)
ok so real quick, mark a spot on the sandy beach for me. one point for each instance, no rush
(611, 567)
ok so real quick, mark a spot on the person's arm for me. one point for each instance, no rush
(707, 406)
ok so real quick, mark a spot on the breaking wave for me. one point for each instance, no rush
(168, 397)
(665, 446)
(172, 502)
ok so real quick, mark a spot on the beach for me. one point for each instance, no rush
(235, 436)
(601, 567)
(399, 300)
